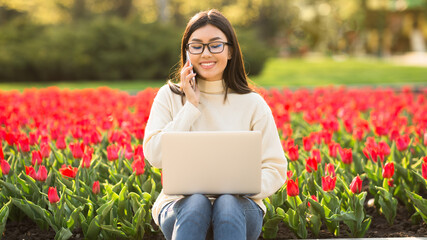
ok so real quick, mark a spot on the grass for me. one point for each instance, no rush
(125, 85)
(282, 73)
(299, 73)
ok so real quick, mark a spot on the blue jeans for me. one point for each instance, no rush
(194, 217)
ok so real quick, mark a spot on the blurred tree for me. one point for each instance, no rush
(79, 10)
(332, 26)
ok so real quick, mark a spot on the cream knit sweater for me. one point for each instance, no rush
(240, 112)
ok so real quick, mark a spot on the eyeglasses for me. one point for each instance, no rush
(214, 47)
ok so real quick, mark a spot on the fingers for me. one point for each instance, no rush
(186, 75)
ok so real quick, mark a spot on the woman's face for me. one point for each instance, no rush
(209, 66)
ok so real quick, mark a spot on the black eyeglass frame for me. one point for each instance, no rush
(209, 48)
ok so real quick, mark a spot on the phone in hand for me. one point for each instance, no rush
(193, 80)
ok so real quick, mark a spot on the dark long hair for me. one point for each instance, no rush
(235, 77)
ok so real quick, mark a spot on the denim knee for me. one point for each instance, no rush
(195, 204)
(227, 202)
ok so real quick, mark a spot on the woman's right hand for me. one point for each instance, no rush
(192, 94)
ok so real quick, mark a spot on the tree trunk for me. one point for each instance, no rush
(163, 12)
(79, 10)
(124, 8)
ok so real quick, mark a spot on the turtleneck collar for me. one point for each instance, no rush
(211, 86)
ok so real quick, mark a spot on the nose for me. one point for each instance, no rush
(206, 52)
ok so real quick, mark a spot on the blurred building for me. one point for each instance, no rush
(396, 26)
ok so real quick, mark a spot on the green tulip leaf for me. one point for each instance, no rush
(113, 231)
(12, 188)
(4, 214)
(63, 234)
(420, 204)
(122, 203)
(271, 226)
(94, 229)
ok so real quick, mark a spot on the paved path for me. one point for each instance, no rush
(410, 59)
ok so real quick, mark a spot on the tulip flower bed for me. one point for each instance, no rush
(72, 161)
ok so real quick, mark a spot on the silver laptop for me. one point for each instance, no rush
(211, 162)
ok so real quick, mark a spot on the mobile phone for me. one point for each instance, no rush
(193, 80)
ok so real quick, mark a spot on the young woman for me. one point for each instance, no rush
(220, 100)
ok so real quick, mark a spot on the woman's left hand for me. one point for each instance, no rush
(192, 94)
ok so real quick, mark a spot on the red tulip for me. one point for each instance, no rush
(356, 185)
(425, 159)
(328, 183)
(292, 188)
(41, 174)
(30, 172)
(138, 165)
(87, 158)
(383, 150)
(44, 139)
(347, 155)
(293, 153)
(289, 174)
(45, 150)
(139, 151)
(330, 124)
(95, 137)
(424, 170)
(96, 188)
(52, 195)
(307, 143)
(394, 133)
(113, 152)
(358, 133)
(311, 165)
(68, 171)
(88, 150)
(107, 123)
(390, 182)
(402, 142)
(128, 151)
(11, 138)
(316, 137)
(388, 170)
(139, 133)
(77, 149)
(287, 130)
(36, 158)
(113, 136)
(381, 130)
(371, 153)
(314, 198)
(333, 147)
(326, 136)
(33, 138)
(24, 144)
(60, 143)
(1, 151)
(316, 154)
(287, 143)
(4, 166)
(330, 169)
(54, 133)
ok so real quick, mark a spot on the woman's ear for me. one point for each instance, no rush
(230, 53)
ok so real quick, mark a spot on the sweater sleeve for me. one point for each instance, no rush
(274, 164)
(162, 120)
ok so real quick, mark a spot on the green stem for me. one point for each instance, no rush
(354, 209)
(295, 166)
(295, 203)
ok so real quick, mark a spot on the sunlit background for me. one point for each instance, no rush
(121, 41)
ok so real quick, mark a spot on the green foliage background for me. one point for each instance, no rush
(102, 48)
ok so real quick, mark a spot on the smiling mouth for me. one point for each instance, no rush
(207, 65)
